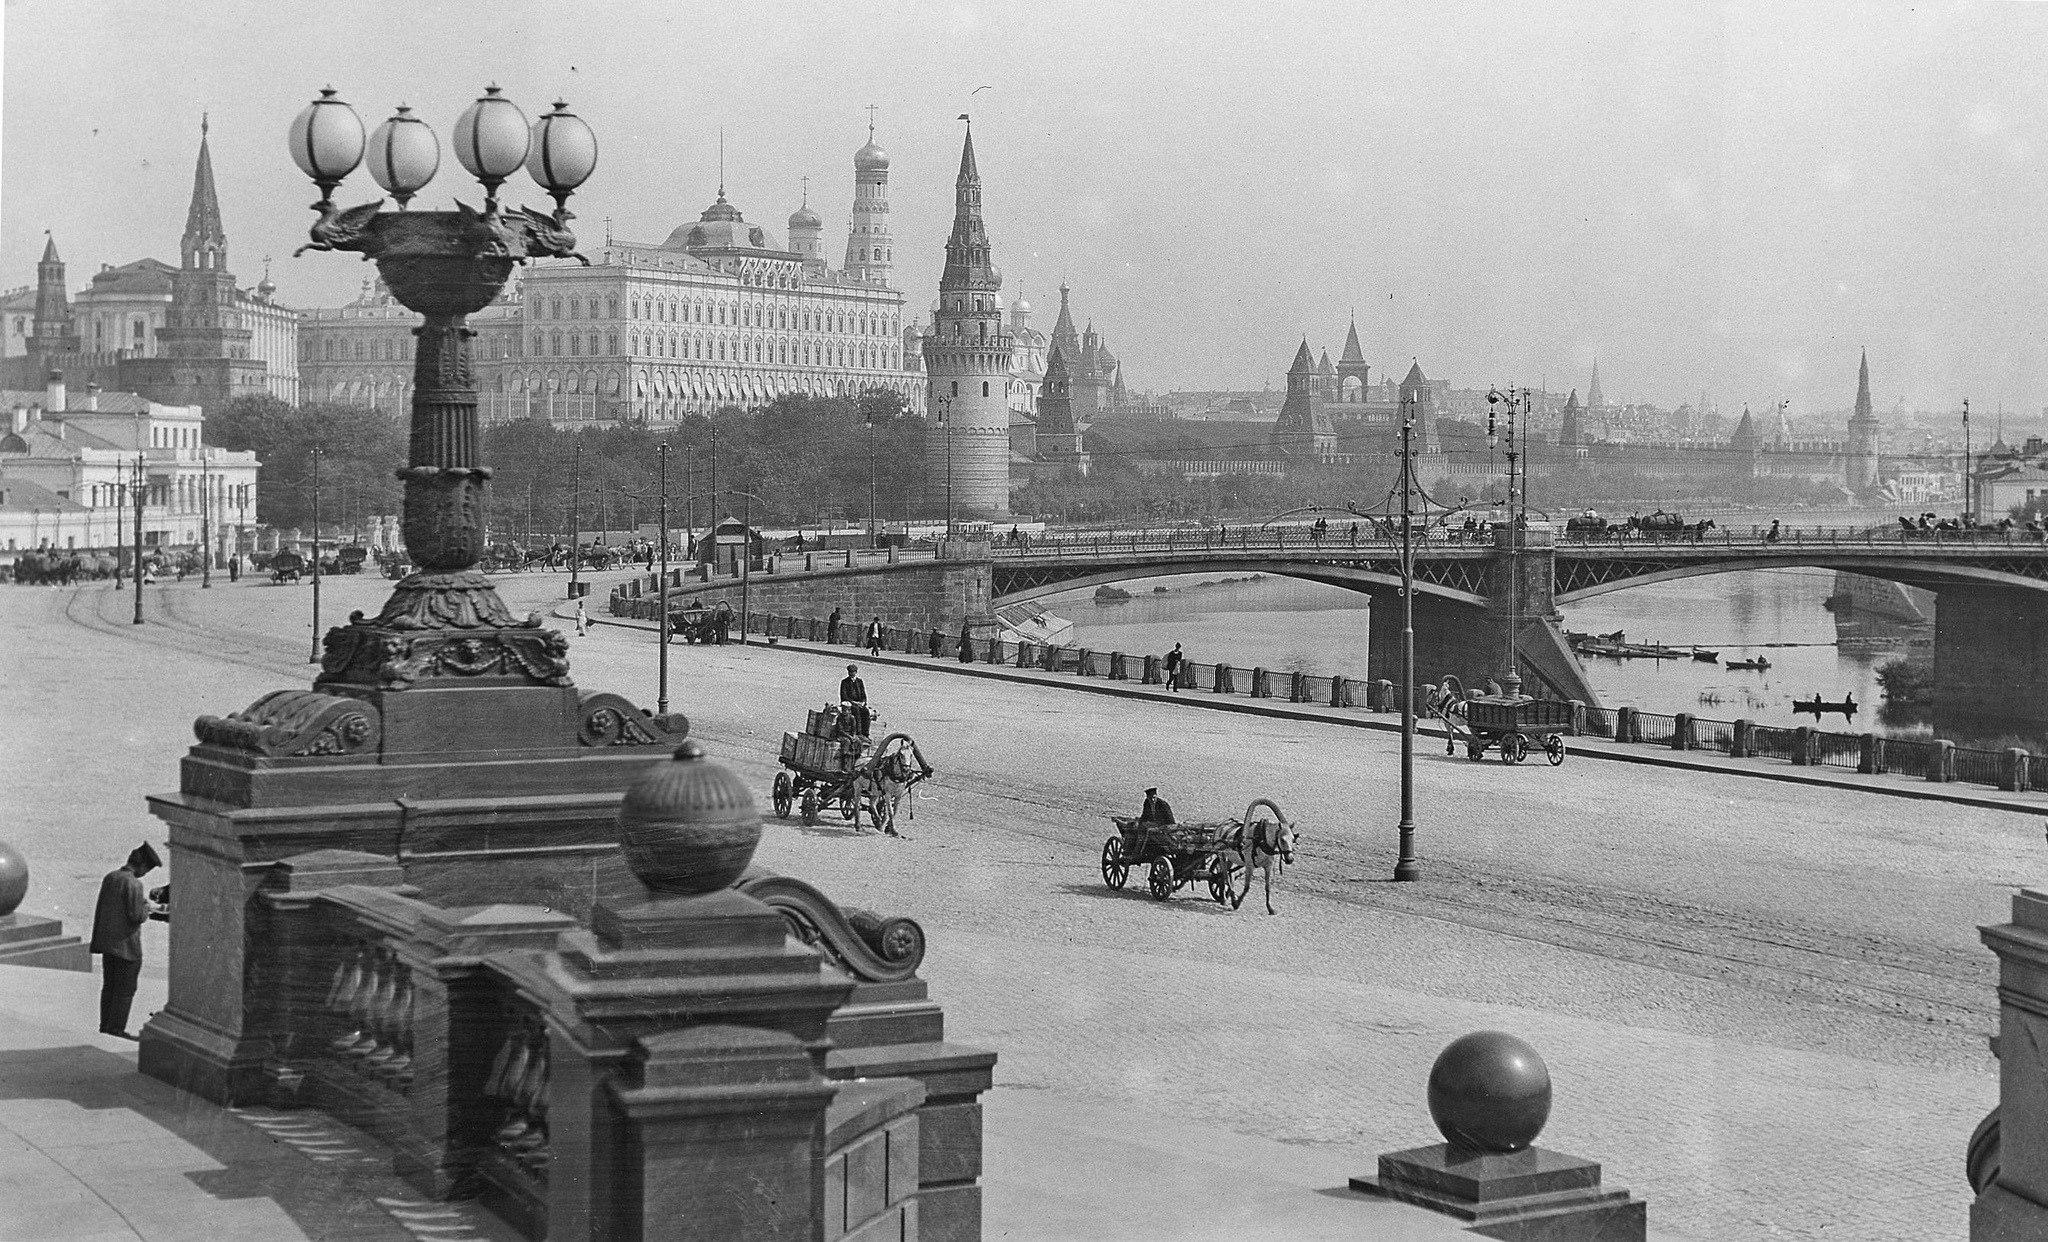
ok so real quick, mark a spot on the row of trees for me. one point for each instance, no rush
(808, 459)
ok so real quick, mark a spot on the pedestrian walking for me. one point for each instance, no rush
(938, 643)
(832, 627)
(966, 645)
(1174, 660)
(582, 618)
(117, 936)
(874, 637)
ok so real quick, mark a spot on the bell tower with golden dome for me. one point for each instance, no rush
(870, 251)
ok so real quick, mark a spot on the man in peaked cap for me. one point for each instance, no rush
(1156, 809)
(117, 936)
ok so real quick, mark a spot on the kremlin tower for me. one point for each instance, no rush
(967, 363)
(1862, 464)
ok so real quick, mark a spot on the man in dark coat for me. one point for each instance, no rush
(855, 691)
(117, 937)
(1174, 659)
(1156, 809)
(832, 627)
(873, 638)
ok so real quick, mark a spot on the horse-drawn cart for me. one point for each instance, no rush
(1509, 723)
(286, 566)
(833, 765)
(1177, 854)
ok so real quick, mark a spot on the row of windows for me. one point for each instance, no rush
(716, 349)
(956, 388)
(186, 494)
(161, 436)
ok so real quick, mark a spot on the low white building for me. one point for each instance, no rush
(68, 466)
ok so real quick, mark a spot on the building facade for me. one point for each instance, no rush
(967, 358)
(68, 462)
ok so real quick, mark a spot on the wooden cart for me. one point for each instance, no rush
(1177, 855)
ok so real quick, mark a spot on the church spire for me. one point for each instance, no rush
(1352, 352)
(1863, 409)
(206, 239)
(968, 264)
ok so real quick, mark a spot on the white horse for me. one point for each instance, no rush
(1267, 845)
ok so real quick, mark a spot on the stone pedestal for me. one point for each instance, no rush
(2009, 1167)
(1532, 1195)
(479, 790)
(31, 940)
(686, 1092)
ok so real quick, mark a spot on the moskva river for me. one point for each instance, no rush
(1778, 615)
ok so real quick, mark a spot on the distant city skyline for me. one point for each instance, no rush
(1729, 198)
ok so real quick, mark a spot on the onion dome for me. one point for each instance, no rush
(264, 288)
(871, 157)
(805, 218)
(689, 827)
(720, 227)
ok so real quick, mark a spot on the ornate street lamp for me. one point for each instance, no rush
(1507, 408)
(444, 265)
(1969, 469)
(1406, 865)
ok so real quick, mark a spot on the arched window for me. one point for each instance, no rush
(575, 308)
(984, 388)
(555, 308)
(329, 348)
(611, 342)
(611, 311)
(540, 346)
(555, 343)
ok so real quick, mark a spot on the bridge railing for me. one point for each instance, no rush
(1376, 537)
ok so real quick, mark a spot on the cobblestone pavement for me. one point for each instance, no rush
(1763, 1004)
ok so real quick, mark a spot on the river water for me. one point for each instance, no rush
(1287, 624)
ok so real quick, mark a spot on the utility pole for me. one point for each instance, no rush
(1406, 866)
(205, 522)
(120, 523)
(1969, 474)
(661, 703)
(141, 483)
(873, 540)
(314, 657)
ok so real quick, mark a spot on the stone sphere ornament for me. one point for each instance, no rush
(690, 826)
(1489, 1092)
(13, 879)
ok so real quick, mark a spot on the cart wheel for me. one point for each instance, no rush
(1553, 746)
(1115, 871)
(1514, 748)
(849, 804)
(782, 795)
(1223, 882)
(1161, 882)
(810, 806)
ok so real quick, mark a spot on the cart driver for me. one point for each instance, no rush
(1156, 810)
(854, 691)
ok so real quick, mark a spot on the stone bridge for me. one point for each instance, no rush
(1991, 630)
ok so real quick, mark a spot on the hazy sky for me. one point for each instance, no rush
(1730, 198)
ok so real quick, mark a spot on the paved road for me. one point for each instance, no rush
(1764, 1005)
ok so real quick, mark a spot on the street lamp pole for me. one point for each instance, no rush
(1511, 681)
(314, 658)
(661, 704)
(1406, 866)
(872, 542)
(575, 513)
(1969, 467)
(945, 422)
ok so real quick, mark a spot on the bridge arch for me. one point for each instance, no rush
(1928, 574)
(1017, 584)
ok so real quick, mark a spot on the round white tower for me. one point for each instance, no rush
(807, 234)
(870, 251)
(967, 365)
